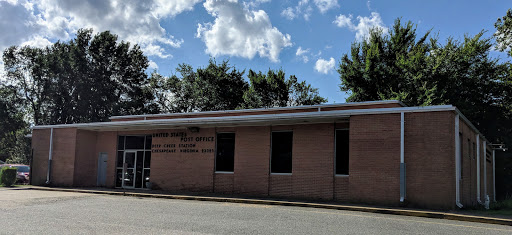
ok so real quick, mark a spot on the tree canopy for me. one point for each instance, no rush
(84, 80)
(220, 86)
(419, 70)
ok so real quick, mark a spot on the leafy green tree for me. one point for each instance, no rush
(215, 87)
(87, 79)
(274, 90)
(504, 32)
(13, 128)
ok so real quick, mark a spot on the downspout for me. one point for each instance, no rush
(402, 158)
(478, 169)
(457, 162)
(493, 175)
(485, 171)
(50, 153)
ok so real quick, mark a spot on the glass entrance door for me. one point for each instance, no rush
(129, 164)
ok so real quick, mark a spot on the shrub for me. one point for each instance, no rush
(8, 176)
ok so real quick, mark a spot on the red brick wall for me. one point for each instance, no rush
(223, 183)
(64, 146)
(313, 161)
(341, 188)
(184, 171)
(374, 165)
(430, 159)
(86, 159)
(40, 146)
(252, 162)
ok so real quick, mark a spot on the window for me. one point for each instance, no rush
(281, 153)
(225, 157)
(342, 151)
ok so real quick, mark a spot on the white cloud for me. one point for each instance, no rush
(255, 3)
(152, 65)
(37, 22)
(325, 5)
(303, 54)
(17, 23)
(362, 29)
(303, 8)
(238, 31)
(324, 66)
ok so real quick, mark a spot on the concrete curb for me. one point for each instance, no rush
(416, 213)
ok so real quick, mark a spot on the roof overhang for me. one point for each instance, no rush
(246, 120)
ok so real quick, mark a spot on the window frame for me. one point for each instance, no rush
(216, 150)
(271, 148)
(336, 151)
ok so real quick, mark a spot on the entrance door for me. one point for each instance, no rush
(129, 161)
(102, 169)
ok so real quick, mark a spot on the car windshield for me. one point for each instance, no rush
(23, 168)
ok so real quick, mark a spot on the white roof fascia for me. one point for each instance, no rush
(264, 119)
(261, 109)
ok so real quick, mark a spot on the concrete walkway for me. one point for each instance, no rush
(459, 216)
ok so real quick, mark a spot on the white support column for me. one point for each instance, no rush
(457, 162)
(50, 153)
(485, 170)
(478, 169)
(402, 158)
(494, 175)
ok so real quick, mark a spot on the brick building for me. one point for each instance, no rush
(379, 152)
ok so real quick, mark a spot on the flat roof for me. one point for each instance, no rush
(255, 120)
(237, 111)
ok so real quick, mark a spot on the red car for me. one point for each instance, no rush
(23, 171)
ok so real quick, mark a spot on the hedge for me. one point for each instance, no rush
(8, 176)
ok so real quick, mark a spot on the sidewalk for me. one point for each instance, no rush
(453, 215)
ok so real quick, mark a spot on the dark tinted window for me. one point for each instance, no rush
(225, 158)
(134, 142)
(149, 139)
(120, 143)
(342, 152)
(281, 156)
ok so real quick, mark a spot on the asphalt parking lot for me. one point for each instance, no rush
(25, 211)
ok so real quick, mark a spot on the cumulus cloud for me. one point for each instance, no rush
(303, 8)
(324, 66)
(37, 22)
(303, 54)
(325, 5)
(362, 29)
(152, 65)
(238, 31)
(17, 23)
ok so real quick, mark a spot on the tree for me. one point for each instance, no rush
(504, 32)
(215, 87)
(423, 72)
(274, 90)
(87, 79)
(13, 128)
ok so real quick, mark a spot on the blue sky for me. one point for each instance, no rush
(306, 38)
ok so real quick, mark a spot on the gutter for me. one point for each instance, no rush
(402, 158)
(50, 155)
(457, 163)
(478, 169)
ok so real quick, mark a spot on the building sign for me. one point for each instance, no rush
(180, 142)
